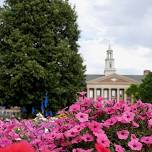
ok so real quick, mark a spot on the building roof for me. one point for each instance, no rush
(95, 76)
(135, 77)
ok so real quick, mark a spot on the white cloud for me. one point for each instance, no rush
(126, 23)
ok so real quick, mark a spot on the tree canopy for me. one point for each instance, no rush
(133, 92)
(145, 89)
(142, 91)
(39, 53)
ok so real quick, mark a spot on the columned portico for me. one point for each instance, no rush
(111, 93)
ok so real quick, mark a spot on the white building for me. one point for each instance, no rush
(110, 85)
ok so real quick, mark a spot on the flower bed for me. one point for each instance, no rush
(119, 127)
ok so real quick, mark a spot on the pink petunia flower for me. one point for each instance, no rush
(44, 149)
(135, 145)
(78, 128)
(109, 110)
(103, 140)
(76, 140)
(75, 107)
(87, 137)
(71, 133)
(97, 105)
(128, 116)
(133, 136)
(86, 102)
(99, 99)
(22, 146)
(101, 148)
(150, 123)
(123, 134)
(146, 140)
(82, 117)
(94, 126)
(119, 148)
(110, 122)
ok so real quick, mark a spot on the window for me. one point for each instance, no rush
(121, 93)
(106, 94)
(98, 93)
(91, 93)
(113, 93)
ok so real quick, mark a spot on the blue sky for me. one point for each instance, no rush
(128, 26)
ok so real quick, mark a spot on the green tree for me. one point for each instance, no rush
(145, 89)
(39, 53)
(133, 92)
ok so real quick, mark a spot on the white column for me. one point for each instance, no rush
(102, 92)
(95, 93)
(117, 94)
(88, 92)
(109, 93)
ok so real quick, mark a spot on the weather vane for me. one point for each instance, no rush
(109, 45)
(107, 41)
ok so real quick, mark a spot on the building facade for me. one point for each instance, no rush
(110, 85)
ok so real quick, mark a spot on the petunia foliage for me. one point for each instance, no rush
(86, 127)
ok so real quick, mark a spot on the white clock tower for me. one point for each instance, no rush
(109, 63)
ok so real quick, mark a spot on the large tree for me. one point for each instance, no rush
(145, 89)
(39, 53)
(133, 92)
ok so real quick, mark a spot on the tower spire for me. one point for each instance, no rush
(109, 62)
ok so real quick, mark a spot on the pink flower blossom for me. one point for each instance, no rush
(76, 140)
(86, 102)
(110, 122)
(101, 148)
(146, 140)
(87, 137)
(71, 133)
(128, 116)
(74, 107)
(150, 123)
(103, 140)
(133, 136)
(82, 117)
(98, 105)
(119, 148)
(109, 110)
(22, 146)
(123, 134)
(78, 128)
(135, 145)
(94, 126)
(99, 99)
